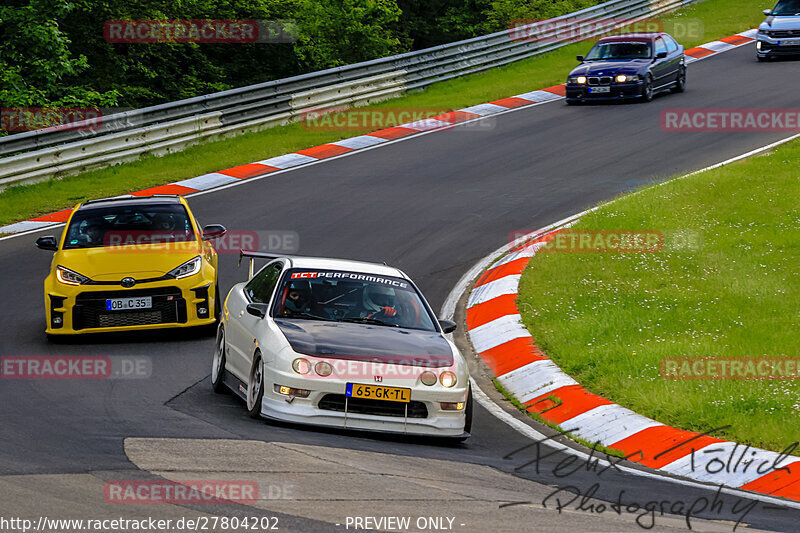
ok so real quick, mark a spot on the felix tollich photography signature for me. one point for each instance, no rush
(646, 510)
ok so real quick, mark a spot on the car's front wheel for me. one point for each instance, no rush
(680, 85)
(218, 364)
(647, 89)
(255, 387)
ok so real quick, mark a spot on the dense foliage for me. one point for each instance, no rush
(54, 52)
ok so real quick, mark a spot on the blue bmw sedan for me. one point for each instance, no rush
(633, 66)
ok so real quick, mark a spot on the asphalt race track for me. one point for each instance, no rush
(432, 205)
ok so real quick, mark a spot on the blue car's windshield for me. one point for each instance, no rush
(619, 51)
(787, 7)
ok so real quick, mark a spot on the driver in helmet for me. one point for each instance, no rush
(298, 298)
(379, 302)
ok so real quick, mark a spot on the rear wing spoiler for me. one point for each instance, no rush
(253, 256)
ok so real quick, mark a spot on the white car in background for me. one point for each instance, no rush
(779, 34)
(342, 344)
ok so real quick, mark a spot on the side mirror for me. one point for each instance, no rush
(213, 231)
(259, 310)
(767, 12)
(47, 243)
(661, 55)
(448, 326)
(579, 58)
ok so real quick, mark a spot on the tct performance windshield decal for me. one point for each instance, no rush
(351, 276)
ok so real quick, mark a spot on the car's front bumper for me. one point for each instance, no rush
(81, 309)
(773, 47)
(580, 92)
(325, 405)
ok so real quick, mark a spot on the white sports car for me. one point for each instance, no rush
(343, 344)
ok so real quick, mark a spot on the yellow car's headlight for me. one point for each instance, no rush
(70, 277)
(189, 268)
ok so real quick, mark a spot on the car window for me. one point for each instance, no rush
(260, 288)
(343, 296)
(672, 46)
(787, 8)
(619, 50)
(121, 225)
(660, 46)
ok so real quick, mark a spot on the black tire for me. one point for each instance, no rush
(573, 102)
(54, 339)
(256, 378)
(218, 364)
(680, 85)
(468, 412)
(647, 89)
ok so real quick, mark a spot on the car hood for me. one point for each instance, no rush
(611, 68)
(115, 262)
(781, 23)
(366, 342)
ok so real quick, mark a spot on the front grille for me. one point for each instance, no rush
(599, 80)
(90, 309)
(335, 402)
(783, 34)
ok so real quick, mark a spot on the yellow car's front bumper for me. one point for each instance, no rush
(176, 303)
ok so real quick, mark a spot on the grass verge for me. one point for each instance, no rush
(718, 18)
(732, 290)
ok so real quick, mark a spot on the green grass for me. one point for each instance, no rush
(732, 289)
(719, 17)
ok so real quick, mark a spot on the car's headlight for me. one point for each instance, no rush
(622, 78)
(70, 277)
(301, 366)
(323, 368)
(428, 378)
(189, 268)
(577, 79)
(448, 379)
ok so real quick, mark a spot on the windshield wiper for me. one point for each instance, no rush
(367, 320)
(308, 316)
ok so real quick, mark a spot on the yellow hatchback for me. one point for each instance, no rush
(131, 263)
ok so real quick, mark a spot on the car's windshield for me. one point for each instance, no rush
(787, 7)
(343, 296)
(619, 50)
(129, 224)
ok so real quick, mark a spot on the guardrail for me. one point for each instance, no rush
(171, 127)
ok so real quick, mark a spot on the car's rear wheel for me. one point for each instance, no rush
(255, 388)
(647, 89)
(218, 364)
(680, 85)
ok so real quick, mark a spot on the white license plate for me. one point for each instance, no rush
(126, 304)
(788, 42)
(595, 90)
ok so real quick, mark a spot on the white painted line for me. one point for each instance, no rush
(26, 226)
(609, 424)
(539, 96)
(485, 109)
(749, 33)
(493, 289)
(534, 379)
(528, 251)
(427, 124)
(362, 141)
(497, 332)
(718, 46)
(287, 161)
(720, 463)
(207, 181)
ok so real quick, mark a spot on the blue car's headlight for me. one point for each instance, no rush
(624, 78)
(576, 79)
